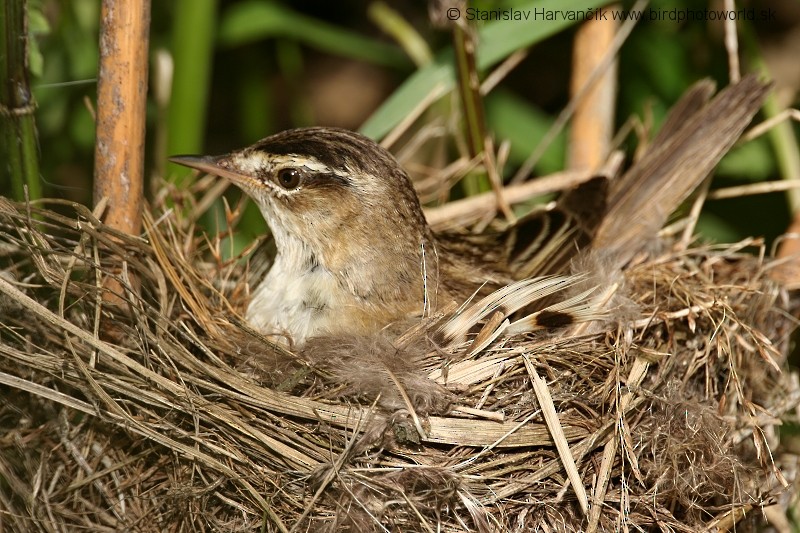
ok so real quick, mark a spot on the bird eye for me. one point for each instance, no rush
(289, 178)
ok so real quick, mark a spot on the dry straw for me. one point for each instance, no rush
(160, 410)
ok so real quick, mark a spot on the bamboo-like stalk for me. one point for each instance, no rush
(18, 126)
(593, 121)
(121, 99)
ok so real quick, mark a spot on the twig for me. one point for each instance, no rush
(732, 43)
(765, 187)
(437, 92)
(694, 213)
(474, 207)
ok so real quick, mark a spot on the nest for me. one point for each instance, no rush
(158, 409)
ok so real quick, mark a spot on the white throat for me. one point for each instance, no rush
(297, 297)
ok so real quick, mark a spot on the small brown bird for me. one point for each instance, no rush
(355, 253)
(354, 249)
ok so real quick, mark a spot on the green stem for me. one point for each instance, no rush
(17, 124)
(787, 154)
(393, 23)
(781, 136)
(468, 83)
(193, 40)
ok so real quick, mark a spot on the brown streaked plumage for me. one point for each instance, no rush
(355, 252)
(354, 249)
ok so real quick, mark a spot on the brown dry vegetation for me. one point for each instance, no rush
(179, 418)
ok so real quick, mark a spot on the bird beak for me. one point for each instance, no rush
(217, 166)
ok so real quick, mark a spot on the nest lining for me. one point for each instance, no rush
(179, 417)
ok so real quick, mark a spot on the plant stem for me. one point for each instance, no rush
(782, 136)
(18, 144)
(393, 23)
(593, 121)
(469, 88)
(121, 100)
(192, 51)
(119, 149)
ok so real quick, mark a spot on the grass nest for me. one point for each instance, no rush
(158, 409)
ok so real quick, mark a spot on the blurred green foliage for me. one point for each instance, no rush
(247, 68)
(258, 20)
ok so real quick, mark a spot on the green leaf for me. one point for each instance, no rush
(262, 19)
(512, 118)
(37, 25)
(497, 40)
(716, 229)
(749, 162)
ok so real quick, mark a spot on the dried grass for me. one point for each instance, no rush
(171, 415)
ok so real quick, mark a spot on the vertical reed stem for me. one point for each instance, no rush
(19, 161)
